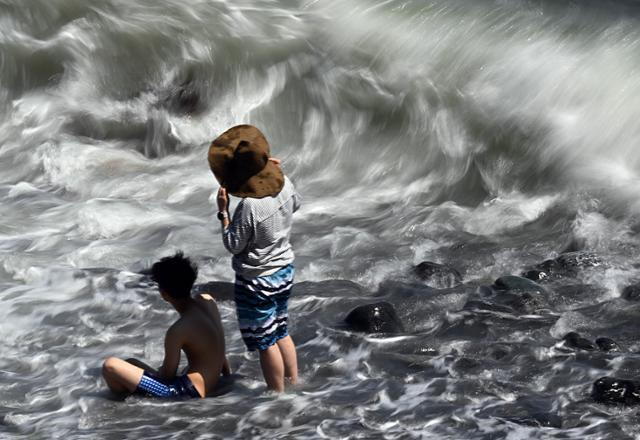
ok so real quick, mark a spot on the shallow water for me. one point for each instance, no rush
(488, 135)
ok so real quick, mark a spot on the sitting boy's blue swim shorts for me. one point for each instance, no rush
(178, 387)
(261, 305)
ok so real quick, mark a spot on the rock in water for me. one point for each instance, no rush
(574, 340)
(613, 390)
(379, 317)
(512, 282)
(631, 293)
(536, 275)
(567, 264)
(520, 294)
(608, 345)
(438, 275)
(577, 260)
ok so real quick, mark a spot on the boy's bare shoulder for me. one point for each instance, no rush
(204, 297)
(208, 303)
(206, 300)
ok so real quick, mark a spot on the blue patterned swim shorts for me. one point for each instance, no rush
(178, 387)
(261, 305)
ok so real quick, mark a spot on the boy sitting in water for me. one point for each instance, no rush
(198, 332)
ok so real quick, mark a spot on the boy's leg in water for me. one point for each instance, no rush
(121, 376)
(289, 358)
(273, 368)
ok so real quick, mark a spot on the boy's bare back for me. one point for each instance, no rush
(200, 334)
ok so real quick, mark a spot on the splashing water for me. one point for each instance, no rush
(488, 135)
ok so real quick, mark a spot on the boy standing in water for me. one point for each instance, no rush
(198, 332)
(258, 238)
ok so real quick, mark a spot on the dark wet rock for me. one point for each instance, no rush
(421, 307)
(516, 283)
(549, 267)
(574, 340)
(520, 294)
(565, 265)
(419, 298)
(536, 275)
(632, 292)
(379, 317)
(612, 390)
(578, 260)
(438, 275)
(608, 345)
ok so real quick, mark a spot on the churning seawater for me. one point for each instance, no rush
(489, 135)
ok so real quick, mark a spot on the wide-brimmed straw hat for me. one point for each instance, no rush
(239, 159)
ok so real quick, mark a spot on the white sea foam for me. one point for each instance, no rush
(475, 133)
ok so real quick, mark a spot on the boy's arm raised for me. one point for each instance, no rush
(172, 347)
(238, 233)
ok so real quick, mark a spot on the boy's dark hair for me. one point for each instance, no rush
(175, 275)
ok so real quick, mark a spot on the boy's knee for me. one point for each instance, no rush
(110, 366)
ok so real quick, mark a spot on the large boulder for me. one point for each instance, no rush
(379, 317)
(438, 275)
(612, 390)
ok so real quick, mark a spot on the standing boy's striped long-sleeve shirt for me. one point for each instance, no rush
(258, 234)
